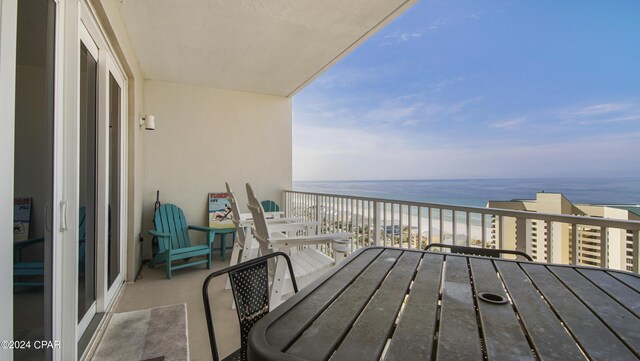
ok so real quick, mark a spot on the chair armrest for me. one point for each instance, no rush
(287, 220)
(273, 215)
(291, 227)
(28, 242)
(165, 237)
(159, 234)
(202, 228)
(210, 231)
(310, 240)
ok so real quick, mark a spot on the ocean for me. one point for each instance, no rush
(476, 192)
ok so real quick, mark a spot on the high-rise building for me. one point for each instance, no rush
(620, 245)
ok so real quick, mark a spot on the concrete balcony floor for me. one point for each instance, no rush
(155, 290)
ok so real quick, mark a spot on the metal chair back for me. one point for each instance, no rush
(250, 288)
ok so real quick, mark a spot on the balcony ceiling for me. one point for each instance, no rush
(260, 46)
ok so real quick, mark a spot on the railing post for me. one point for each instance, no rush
(468, 219)
(483, 227)
(500, 232)
(317, 201)
(376, 223)
(604, 247)
(574, 243)
(529, 237)
(635, 243)
(554, 249)
(521, 235)
(420, 228)
(454, 228)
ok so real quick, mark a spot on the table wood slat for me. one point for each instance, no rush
(503, 335)
(458, 338)
(320, 339)
(593, 336)
(631, 281)
(615, 288)
(413, 339)
(621, 321)
(550, 340)
(298, 318)
(368, 336)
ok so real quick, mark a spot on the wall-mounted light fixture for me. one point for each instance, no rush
(148, 121)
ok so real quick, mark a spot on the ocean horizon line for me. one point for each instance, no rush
(474, 179)
(611, 190)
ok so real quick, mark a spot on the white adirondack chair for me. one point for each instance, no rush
(308, 262)
(245, 247)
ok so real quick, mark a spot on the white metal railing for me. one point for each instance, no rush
(553, 238)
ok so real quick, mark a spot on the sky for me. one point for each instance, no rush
(480, 89)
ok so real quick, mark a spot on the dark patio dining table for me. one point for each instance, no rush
(396, 304)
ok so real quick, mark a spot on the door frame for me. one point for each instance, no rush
(8, 33)
(65, 188)
(107, 295)
(90, 43)
(90, 30)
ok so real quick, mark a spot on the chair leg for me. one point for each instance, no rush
(278, 284)
(169, 266)
(209, 260)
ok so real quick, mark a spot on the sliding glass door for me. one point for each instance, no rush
(100, 177)
(33, 177)
(87, 182)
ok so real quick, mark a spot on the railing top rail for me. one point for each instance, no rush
(563, 218)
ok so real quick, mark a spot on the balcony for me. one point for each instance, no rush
(383, 222)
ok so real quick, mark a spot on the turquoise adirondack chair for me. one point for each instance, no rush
(37, 268)
(270, 206)
(173, 240)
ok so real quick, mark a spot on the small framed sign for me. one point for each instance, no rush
(219, 211)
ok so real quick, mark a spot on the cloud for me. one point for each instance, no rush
(344, 153)
(382, 114)
(474, 16)
(599, 109)
(602, 113)
(398, 38)
(439, 85)
(438, 24)
(509, 124)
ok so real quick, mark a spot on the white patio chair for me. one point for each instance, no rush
(308, 262)
(246, 247)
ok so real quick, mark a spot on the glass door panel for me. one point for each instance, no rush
(113, 221)
(33, 176)
(88, 177)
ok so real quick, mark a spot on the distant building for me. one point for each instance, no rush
(620, 241)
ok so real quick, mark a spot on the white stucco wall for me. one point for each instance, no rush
(205, 137)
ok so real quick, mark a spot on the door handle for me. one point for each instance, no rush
(63, 216)
(47, 225)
